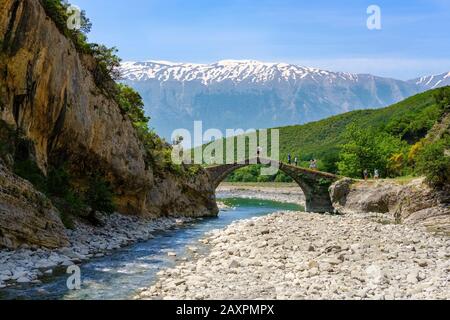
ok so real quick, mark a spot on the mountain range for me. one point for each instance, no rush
(251, 94)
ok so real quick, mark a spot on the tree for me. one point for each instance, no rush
(131, 104)
(442, 97)
(433, 162)
(108, 62)
(359, 153)
(99, 196)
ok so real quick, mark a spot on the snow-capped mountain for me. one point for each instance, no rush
(234, 71)
(251, 94)
(435, 81)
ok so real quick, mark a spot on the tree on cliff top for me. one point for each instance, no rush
(107, 59)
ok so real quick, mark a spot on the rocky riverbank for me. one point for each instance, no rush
(30, 263)
(409, 202)
(293, 255)
(285, 193)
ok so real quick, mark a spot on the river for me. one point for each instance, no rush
(120, 275)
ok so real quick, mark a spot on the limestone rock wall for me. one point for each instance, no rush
(27, 216)
(48, 92)
(412, 202)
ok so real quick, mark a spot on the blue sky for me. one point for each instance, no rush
(414, 39)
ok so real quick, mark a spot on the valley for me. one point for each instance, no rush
(91, 192)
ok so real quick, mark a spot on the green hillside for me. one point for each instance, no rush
(392, 140)
(409, 120)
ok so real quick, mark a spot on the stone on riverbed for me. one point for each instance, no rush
(307, 256)
(26, 263)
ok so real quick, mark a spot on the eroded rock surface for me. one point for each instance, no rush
(49, 93)
(413, 202)
(26, 215)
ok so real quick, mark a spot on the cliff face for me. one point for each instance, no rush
(413, 202)
(27, 216)
(48, 92)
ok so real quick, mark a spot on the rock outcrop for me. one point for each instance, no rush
(26, 215)
(49, 94)
(413, 202)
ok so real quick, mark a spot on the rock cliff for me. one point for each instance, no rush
(412, 202)
(48, 92)
(27, 216)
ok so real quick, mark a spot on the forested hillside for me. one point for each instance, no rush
(397, 140)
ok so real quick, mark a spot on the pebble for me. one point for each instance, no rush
(27, 264)
(344, 257)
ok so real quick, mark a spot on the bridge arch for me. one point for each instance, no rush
(314, 184)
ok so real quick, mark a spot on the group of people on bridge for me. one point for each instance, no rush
(289, 160)
(376, 174)
(313, 164)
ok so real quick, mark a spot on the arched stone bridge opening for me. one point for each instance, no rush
(314, 184)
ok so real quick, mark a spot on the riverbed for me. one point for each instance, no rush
(124, 272)
(297, 255)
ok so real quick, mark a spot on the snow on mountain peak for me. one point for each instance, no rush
(236, 71)
(434, 81)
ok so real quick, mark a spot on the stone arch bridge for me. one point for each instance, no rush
(314, 184)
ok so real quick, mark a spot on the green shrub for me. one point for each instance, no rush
(442, 97)
(99, 195)
(66, 219)
(106, 58)
(58, 182)
(107, 63)
(434, 163)
(57, 10)
(28, 170)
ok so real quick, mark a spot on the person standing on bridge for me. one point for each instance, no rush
(289, 158)
(296, 161)
(366, 174)
(376, 175)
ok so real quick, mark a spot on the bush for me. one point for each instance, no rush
(99, 196)
(58, 182)
(108, 63)
(434, 163)
(442, 97)
(28, 170)
(69, 206)
(106, 58)
(57, 11)
(370, 150)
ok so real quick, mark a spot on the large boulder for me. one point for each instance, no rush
(26, 215)
(413, 201)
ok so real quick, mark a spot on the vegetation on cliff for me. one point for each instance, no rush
(86, 187)
(107, 61)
